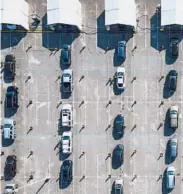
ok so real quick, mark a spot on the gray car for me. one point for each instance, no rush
(174, 113)
(66, 54)
(173, 147)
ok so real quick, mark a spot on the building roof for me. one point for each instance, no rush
(15, 12)
(120, 12)
(64, 12)
(171, 12)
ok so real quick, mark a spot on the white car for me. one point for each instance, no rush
(170, 177)
(9, 129)
(67, 115)
(67, 142)
(120, 78)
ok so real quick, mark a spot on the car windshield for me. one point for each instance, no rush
(66, 138)
(7, 126)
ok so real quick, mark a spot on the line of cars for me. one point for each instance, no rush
(9, 125)
(66, 117)
(118, 125)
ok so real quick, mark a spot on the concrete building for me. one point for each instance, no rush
(64, 12)
(120, 12)
(171, 12)
(14, 13)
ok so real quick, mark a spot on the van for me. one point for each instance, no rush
(121, 52)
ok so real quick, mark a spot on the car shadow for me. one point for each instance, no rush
(6, 142)
(115, 163)
(113, 188)
(168, 131)
(107, 40)
(166, 91)
(164, 188)
(62, 183)
(11, 39)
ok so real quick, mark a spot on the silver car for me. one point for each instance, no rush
(174, 112)
(170, 177)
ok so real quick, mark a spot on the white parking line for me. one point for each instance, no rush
(85, 174)
(145, 31)
(48, 121)
(36, 105)
(97, 173)
(97, 103)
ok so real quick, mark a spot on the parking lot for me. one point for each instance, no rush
(140, 104)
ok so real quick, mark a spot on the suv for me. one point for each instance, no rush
(173, 80)
(67, 142)
(119, 126)
(121, 52)
(118, 186)
(66, 54)
(67, 115)
(174, 113)
(173, 147)
(67, 79)
(174, 47)
(9, 68)
(170, 177)
(10, 167)
(120, 78)
(9, 129)
(11, 100)
(66, 172)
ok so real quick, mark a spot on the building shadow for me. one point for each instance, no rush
(168, 131)
(12, 38)
(54, 39)
(107, 40)
(167, 93)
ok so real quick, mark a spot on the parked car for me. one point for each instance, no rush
(173, 147)
(121, 51)
(118, 186)
(9, 68)
(11, 188)
(170, 177)
(67, 80)
(66, 172)
(174, 47)
(67, 142)
(118, 155)
(173, 80)
(9, 129)
(67, 115)
(66, 54)
(119, 126)
(11, 100)
(120, 78)
(174, 113)
(10, 167)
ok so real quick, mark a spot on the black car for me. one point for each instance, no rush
(173, 80)
(66, 54)
(10, 167)
(11, 100)
(66, 172)
(118, 130)
(117, 157)
(174, 47)
(9, 68)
